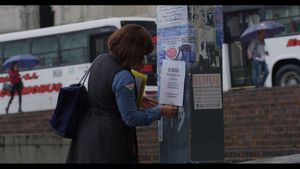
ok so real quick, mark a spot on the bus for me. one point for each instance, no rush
(284, 49)
(65, 53)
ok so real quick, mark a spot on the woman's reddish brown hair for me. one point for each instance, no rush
(129, 45)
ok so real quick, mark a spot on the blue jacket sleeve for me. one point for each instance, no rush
(123, 87)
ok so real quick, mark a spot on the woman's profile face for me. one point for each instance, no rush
(16, 67)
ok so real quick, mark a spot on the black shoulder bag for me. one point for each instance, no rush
(72, 103)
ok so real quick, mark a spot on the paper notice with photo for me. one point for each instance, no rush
(172, 82)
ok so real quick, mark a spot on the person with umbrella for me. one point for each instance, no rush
(17, 85)
(256, 50)
(13, 64)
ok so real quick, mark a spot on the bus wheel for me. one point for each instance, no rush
(288, 75)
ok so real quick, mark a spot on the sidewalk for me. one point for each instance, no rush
(281, 159)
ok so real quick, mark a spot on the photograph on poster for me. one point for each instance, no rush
(207, 23)
(208, 17)
(204, 15)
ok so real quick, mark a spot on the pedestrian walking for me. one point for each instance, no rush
(256, 35)
(258, 52)
(17, 85)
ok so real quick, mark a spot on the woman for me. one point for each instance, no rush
(17, 85)
(107, 133)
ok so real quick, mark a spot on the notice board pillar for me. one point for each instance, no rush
(193, 34)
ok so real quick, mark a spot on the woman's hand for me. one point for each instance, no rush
(168, 110)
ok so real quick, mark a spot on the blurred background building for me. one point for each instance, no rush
(25, 17)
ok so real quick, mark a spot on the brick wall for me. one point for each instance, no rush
(25, 123)
(261, 123)
(148, 144)
(258, 123)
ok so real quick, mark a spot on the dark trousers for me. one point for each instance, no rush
(260, 74)
(16, 88)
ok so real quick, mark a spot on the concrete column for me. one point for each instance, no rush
(10, 18)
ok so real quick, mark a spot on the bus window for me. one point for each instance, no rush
(289, 17)
(73, 56)
(47, 60)
(98, 45)
(240, 66)
(252, 19)
(73, 40)
(73, 48)
(46, 49)
(234, 26)
(16, 48)
(45, 44)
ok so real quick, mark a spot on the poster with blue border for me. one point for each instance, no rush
(218, 16)
(176, 43)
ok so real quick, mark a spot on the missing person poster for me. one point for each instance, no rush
(172, 82)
